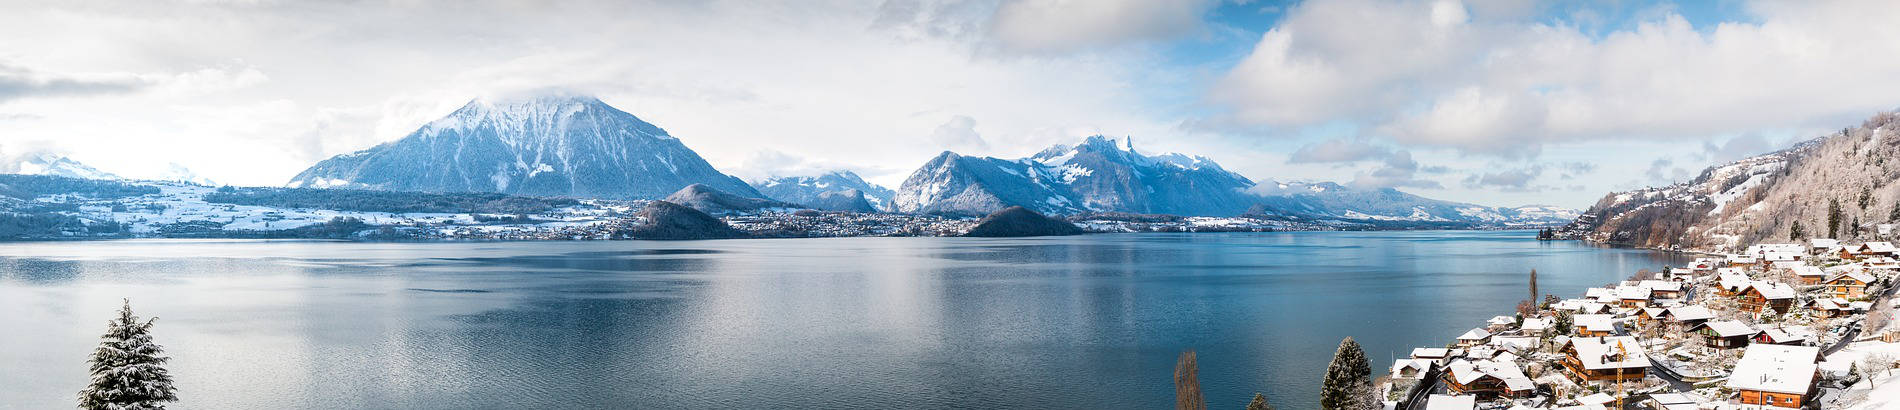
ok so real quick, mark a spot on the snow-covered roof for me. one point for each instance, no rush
(1789, 334)
(1598, 399)
(1475, 334)
(1601, 353)
(1824, 243)
(1879, 247)
(1734, 282)
(1860, 276)
(1772, 290)
(1515, 342)
(1632, 293)
(1430, 352)
(1502, 320)
(1728, 328)
(1538, 324)
(1775, 368)
(1421, 365)
(1466, 371)
(1595, 323)
(1445, 402)
(1805, 270)
(1662, 285)
(1599, 294)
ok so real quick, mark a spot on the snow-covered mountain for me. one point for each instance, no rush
(178, 173)
(1096, 175)
(548, 145)
(57, 165)
(1837, 186)
(829, 188)
(1327, 200)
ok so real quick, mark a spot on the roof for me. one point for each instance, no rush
(1824, 243)
(1860, 276)
(1775, 368)
(1444, 402)
(1423, 365)
(1597, 399)
(1515, 342)
(1805, 270)
(1728, 328)
(1671, 398)
(1788, 334)
(1475, 334)
(1502, 320)
(1595, 323)
(1599, 294)
(1773, 290)
(1734, 281)
(1663, 285)
(1601, 353)
(1432, 352)
(1884, 247)
(1688, 313)
(1538, 323)
(1632, 293)
(1465, 372)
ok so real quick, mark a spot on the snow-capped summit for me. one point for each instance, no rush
(1095, 175)
(549, 144)
(176, 172)
(812, 190)
(57, 165)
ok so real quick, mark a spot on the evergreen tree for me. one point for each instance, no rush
(1348, 384)
(1259, 403)
(1866, 198)
(1187, 384)
(1795, 232)
(1894, 216)
(1562, 324)
(127, 371)
(1833, 218)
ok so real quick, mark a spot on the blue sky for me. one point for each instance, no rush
(1497, 102)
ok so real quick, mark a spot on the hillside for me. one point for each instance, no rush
(1763, 198)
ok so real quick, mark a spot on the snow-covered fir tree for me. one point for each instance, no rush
(127, 369)
(1348, 384)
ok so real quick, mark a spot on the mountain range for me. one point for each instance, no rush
(832, 191)
(556, 145)
(1838, 186)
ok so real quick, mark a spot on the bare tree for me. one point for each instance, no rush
(1187, 384)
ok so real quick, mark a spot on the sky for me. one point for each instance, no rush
(1493, 102)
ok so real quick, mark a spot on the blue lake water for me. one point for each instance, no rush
(1072, 322)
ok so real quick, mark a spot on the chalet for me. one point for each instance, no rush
(1680, 319)
(1487, 379)
(1810, 275)
(1663, 289)
(1823, 246)
(1673, 401)
(1594, 325)
(1761, 297)
(1646, 316)
(1618, 358)
(1725, 334)
(1731, 284)
(1680, 272)
(1412, 369)
(1786, 335)
(1875, 249)
(1704, 264)
(1741, 260)
(1776, 375)
(1537, 326)
(1850, 285)
(1881, 262)
(1773, 252)
(1632, 296)
(1832, 307)
(1594, 401)
(1500, 323)
(1601, 295)
(1435, 354)
(1474, 337)
(1506, 344)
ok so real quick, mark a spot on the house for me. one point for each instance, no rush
(1646, 316)
(1663, 289)
(1731, 284)
(1823, 246)
(1594, 325)
(1412, 369)
(1435, 354)
(1785, 335)
(1704, 264)
(1474, 337)
(1760, 297)
(1776, 375)
(1500, 323)
(1873, 249)
(1487, 379)
(1632, 296)
(1810, 275)
(1506, 344)
(1832, 307)
(1741, 260)
(1774, 252)
(1444, 402)
(1725, 334)
(1673, 401)
(1682, 318)
(1537, 326)
(1881, 262)
(1850, 285)
(1616, 358)
(1601, 295)
(1595, 401)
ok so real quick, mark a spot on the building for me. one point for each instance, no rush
(1616, 358)
(1633, 296)
(1725, 334)
(1786, 335)
(1680, 319)
(1594, 325)
(1761, 297)
(1444, 402)
(1474, 337)
(1849, 285)
(1537, 326)
(1412, 369)
(1663, 289)
(1823, 246)
(1810, 275)
(1776, 375)
(1487, 379)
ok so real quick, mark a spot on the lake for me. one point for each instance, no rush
(857, 323)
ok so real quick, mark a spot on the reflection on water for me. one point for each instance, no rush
(1074, 322)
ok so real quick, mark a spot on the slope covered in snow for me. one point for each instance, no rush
(1096, 175)
(548, 145)
(829, 191)
(59, 166)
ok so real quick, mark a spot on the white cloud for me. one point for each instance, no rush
(1067, 25)
(1500, 84)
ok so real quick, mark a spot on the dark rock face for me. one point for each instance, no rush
(808, 190)
(669, 221)
(713, 201)
(1018, 221)
(548, 146)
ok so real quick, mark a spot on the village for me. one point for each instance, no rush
(1787, 325)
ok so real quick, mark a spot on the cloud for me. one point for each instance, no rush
(1514, 179)
(1502, 83)
(1663, 171)
(1575, 169)
(1043, 26)
(959, 134)
(20, 82)
(1398, 171)
(1742, 146)
(1338, 151)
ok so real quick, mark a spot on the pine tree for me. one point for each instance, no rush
(1795, 232)
(1187, 384)
(1562, 324)
(1833, 218)
(1259, 403)
(1894, 216)
(127, 371)
(1348, 384)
